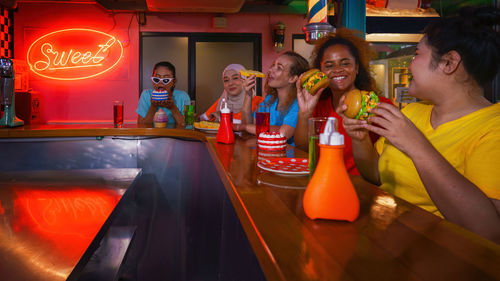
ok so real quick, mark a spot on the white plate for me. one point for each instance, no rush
(207, 130)
(285, 166)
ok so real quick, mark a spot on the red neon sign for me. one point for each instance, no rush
(73, 54)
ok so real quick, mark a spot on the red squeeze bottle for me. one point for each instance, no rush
(330, 193)
(225, 133)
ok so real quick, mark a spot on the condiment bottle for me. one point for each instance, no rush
(160, 119)
(330, 193)
(225, 133)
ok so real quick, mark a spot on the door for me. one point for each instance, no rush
(199, 59)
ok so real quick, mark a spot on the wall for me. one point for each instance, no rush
(89, 100)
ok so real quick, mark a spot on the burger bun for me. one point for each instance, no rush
(323, 83)
(353, 102)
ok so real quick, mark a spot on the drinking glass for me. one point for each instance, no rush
(316, 125)
(262, 119)
(189, 114)
(118, 113)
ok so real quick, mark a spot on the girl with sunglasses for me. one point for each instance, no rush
(163, 79)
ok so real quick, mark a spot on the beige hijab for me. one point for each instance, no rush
(235, 103)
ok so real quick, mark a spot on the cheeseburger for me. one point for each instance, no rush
(313, 80)
(360, 103)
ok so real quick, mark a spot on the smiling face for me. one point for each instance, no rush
(233, 84)
(340, 66)
(278, 75)
(163, 72)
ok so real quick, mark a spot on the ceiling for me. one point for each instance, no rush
(188, 6)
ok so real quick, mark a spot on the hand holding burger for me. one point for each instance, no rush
(313, 80)
(360, 103)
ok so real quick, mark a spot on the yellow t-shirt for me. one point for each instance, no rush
(471, 144)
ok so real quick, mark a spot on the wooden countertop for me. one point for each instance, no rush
(391, 239)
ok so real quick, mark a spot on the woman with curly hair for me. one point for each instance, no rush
(344, 57)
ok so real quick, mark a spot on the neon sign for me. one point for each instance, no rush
(74, 54)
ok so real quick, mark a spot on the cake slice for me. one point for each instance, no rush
(271, 141)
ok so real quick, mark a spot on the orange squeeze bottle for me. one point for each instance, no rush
(330, 193)
(225, 133)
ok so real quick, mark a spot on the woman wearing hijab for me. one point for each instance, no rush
(233, 93)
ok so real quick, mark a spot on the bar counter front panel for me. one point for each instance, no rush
(175, 222)
(199, 210)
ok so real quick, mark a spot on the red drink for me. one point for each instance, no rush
(262, 122)
(118, 115)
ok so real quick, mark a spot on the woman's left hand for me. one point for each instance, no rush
(169, 103)
(396, 128)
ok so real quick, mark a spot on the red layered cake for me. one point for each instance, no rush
(271, 141)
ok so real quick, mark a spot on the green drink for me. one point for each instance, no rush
(189, 116)
(313, 154)
(314, 129)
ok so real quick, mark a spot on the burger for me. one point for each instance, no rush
(360, 104)
(313, 80)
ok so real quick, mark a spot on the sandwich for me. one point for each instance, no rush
(313, 80)
(360, 104)
(248, 73)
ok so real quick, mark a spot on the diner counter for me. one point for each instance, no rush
(391, 239)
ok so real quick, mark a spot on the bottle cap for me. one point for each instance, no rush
(330, 136)
(224, 108)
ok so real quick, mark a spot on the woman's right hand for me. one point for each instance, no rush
(214, 116)
(305, 100)
(249, 85)
(353, 127)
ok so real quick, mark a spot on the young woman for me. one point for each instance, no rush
(233, 93)
(163, 79)
(344, 58)
(281, 95)
(443, 154)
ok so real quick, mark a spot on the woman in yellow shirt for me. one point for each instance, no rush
(443, 154)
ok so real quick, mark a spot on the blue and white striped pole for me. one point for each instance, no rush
(317, 11)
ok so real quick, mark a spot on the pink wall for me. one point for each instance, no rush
(89, 100)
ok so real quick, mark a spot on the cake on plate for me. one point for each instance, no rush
(271, 141)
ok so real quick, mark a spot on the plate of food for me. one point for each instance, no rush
(285, 166)
(207, 126)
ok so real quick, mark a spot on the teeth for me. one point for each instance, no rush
(338, 78)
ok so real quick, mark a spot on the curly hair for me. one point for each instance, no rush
(358, 48)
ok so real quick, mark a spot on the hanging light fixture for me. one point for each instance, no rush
(279, 36)
(318, 26)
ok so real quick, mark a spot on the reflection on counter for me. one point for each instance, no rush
(69, 218)
(289, 182)
(48, 219)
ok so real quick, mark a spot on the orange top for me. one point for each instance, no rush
(255, 101)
